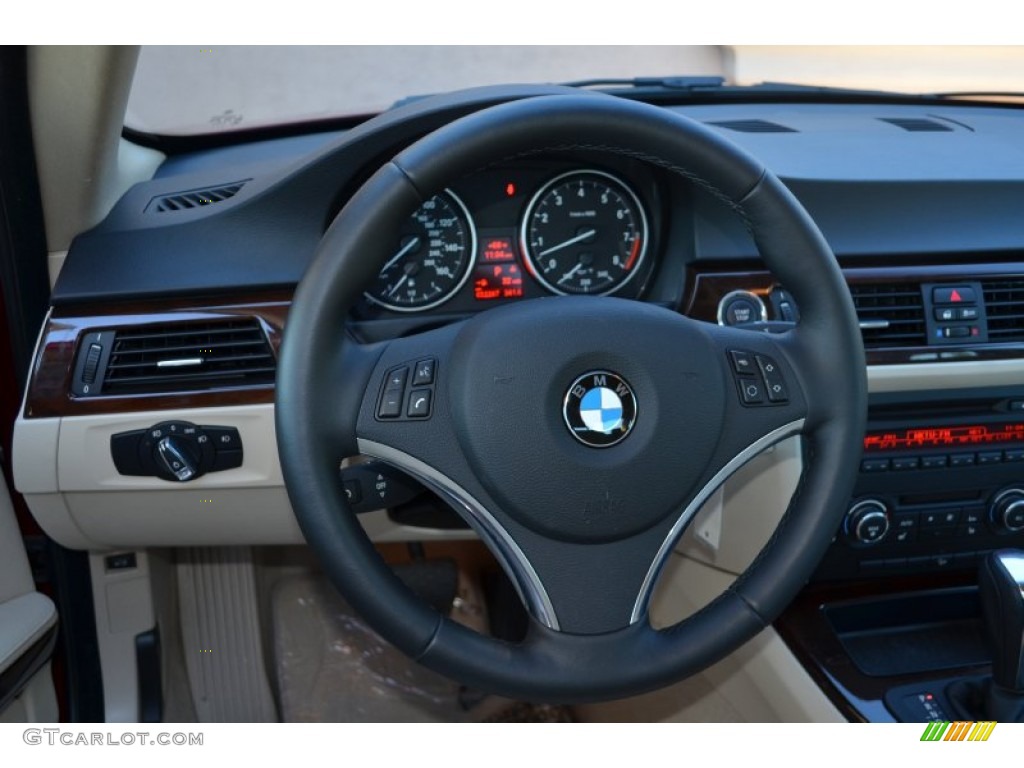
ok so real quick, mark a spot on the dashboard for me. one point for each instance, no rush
(173, 307)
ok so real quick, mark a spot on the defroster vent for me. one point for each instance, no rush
(890, 314)
(196, 198)
(189, 356)
(1004, 307)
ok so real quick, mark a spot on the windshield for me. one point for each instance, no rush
(182, 90)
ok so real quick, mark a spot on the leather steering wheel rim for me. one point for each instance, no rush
(327, 387)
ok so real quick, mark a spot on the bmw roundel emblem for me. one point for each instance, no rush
(600, 409)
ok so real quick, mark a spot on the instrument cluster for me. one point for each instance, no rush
(534, 228)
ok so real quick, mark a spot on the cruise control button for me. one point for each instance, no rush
(419, 403)
(424, 373)
(751, 391)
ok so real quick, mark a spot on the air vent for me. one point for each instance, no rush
(178, 356)
(890, 314)
(1004, 307)
(196, 198)
(752, 126)
(917, 124)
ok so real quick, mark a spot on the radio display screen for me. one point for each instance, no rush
(963, 436)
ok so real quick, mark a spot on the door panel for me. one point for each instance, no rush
(28, 622)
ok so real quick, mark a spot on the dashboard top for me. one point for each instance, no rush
(882, 181)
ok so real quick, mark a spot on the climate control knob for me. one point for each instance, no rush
(867, 521)
(1007, 510)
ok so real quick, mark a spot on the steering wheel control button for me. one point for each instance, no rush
(751, 391)
(419, 404)
(396, 380)
(741, 308)
(424, 373)
(398, 398)
(759, 378)
(600, 409)
(742, 362)
(390, 404)
(774, 385)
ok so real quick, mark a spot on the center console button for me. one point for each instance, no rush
(940, 518)
(910, 462)
(961, 460)
(874, 465)
(934, 462)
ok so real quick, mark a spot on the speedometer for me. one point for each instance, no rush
(432, 257)
(584, 232)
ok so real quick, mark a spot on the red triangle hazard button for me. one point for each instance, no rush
(955, 296)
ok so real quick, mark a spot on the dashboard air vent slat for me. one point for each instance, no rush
(193, 355)
(890, 314)
(196, 198)
(1004, 308)
(752, 126)
(917, 124)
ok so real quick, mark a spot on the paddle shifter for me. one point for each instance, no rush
(1001, 584)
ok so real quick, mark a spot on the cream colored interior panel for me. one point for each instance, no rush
(77, 97)
(23, 620)
(15, 575)
(84, 462)
(123, 605)
(186, 516)
(762, 680)
(926, 376)
(739, 518)
(51, 511)
(35, 454)
(36, 704)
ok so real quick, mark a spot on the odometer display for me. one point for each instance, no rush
(432, 257)
(584, 232)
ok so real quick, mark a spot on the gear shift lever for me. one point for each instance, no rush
(1001, 583)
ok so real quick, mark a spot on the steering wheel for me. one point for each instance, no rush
(577, 435)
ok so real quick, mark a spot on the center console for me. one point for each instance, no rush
(939, 486)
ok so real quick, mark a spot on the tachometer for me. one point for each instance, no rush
(432, 257)
(584, 232)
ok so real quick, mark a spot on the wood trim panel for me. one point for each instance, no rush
(807, 633)
(49, 389)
